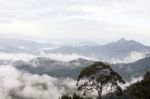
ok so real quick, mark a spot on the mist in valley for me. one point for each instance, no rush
(46, 44)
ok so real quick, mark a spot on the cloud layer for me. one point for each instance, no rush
(16, 84)
(131, 57)
(53, 56)
(76, 19)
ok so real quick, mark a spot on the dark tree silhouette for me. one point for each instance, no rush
(75, 96)
(100, 77)
(141, 89)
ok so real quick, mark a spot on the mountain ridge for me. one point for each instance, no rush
(72, 68)
(118, 49)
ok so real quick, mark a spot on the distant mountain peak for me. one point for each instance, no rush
(128, 42)
(87, 44)
(122, 40)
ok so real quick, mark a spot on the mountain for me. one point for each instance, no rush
(115, 50)
(42, 65)
(21, 45)
(118, 50)
(134, 69)
(81, 44)
(72, 68)
(52, 67)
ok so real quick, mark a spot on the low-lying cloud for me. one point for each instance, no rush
(15, 84)
(66, 57)
(16, 56)
(131, 57)
(53, 56)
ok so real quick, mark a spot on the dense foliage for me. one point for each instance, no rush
(141, 89)
(99, 77)
(75, 96)
(98, 73)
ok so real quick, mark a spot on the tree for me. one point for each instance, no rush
(75, 96)
(141, 89)
(100, 77)
(65, 97)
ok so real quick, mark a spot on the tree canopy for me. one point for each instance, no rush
(141, 89)
(75, 96)
(101, 78)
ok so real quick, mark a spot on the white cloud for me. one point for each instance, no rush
(133, 80)
(27, 57)
(66, 57)
(131, 57)
(16, 56)
(33, 86)
(76, 18)
(29, 86)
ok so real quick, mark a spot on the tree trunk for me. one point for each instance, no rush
(99, 90)
(99, 97)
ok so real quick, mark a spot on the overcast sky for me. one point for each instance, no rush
(93, 20)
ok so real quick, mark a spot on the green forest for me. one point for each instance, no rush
(100, 77)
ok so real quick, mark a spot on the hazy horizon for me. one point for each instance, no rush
(96, 20)
(68, 41)
(48, 45)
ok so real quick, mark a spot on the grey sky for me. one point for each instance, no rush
(95, 20)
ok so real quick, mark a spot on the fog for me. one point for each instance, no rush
(54, 56)
(133, 80)
(131, 57)
(66, 57)
(16, 56)
(15, 84)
